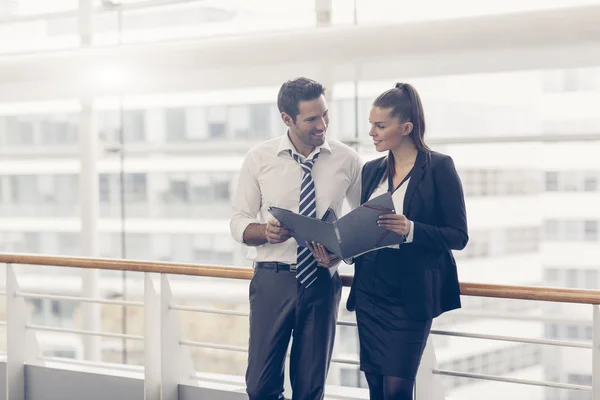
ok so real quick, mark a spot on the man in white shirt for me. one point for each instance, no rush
(292, 292)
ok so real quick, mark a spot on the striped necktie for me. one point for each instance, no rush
(306, 265)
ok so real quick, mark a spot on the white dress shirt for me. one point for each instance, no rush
(398, 199)
(271, 177)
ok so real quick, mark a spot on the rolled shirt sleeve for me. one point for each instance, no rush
(247, 200)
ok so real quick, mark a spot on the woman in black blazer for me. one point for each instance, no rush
(398, 291)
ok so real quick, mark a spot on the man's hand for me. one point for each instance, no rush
(275, 232)
(323, 257)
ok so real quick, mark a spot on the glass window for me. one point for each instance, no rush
(134, 126)
(136, 188)
(217, 122)
(217, 130)
(178, 189)
(551, 181)
(260, 121)
(68, 243)
(591, 230)
(573, 332)
(138, 246)
(551, 275)
(571, 181)
(239, 122)
(59, 129)
(175, 124)
(572, 278)
(573, 230)
(24, 189)
(590, 183)
(591, 279)
(19, 131)
(589, 332)
(104, 189)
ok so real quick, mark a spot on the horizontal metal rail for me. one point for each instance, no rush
(95, 364)
(512, 380)
(345, 361)
(235, 313)
(468, 314)
(209, 310)
(215, 346)
(240, 349)
(515, 339)
(82, 332)
(80, 299)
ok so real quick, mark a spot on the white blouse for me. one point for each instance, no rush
(398, 199)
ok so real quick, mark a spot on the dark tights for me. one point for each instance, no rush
(389, 387)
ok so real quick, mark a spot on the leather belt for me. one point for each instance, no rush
(277, 266)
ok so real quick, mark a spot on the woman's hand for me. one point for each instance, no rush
(323, 257)
(395, 223)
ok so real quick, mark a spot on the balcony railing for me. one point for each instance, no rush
(167, 363)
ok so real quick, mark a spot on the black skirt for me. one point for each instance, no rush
(391, 343)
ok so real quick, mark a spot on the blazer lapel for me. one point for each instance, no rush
(415, 177)
(374, 178)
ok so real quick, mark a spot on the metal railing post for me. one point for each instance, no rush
(596, 354)
(176, 363)
(152, 344)
(21, 344)
(428, 386)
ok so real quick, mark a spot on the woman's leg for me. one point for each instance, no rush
(395, 388)
(375, 383)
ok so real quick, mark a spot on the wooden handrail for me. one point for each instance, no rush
(580, 296)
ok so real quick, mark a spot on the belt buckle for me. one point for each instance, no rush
(293, 268)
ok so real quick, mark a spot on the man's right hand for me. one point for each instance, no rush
(275, 232)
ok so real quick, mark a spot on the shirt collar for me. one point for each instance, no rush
(285, 144)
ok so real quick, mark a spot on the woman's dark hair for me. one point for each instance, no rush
(405, 103)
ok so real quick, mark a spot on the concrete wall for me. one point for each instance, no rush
(195, 393)
(2, 380)
(44, 383)
(54, 384)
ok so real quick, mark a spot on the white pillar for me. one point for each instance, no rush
(86, 30)
(323, 10)
(88, 197)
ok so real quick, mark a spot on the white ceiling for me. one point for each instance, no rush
(533, 40)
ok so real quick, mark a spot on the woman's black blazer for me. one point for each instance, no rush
(421, 275)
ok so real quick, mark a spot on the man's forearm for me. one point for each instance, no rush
(254, 235)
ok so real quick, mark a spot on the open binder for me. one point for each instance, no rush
(353, 234)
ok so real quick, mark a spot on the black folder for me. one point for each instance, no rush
(353, 234)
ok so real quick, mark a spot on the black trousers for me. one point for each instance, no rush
(281, 308)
